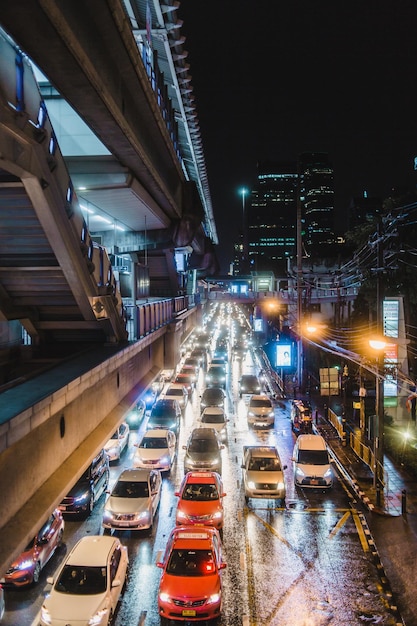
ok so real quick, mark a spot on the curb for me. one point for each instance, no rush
(385, 585)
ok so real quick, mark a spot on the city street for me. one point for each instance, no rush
(307, 564)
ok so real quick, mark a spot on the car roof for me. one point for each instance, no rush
(203, 433)
(249, 377)
(201, 477)
(165, 402)
(216, 391)
(157, 432)
(213, 410)
(311, 442)
(174, 386)
(134, 474)
(260, 397)
(263, 451)
(92, 550)
(188, 537)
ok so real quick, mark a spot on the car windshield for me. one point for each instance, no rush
(154, 443)
(161, 411)
(130, 489)
(115, 435)
(191, 563)
(313, 457)
(260, 403)
(202, 492)
(203, 445)
(213, 418)
(264, 465)
(211, 398)
(81, 580)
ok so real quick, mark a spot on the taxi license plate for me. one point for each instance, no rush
(188, 613)
(313, 481)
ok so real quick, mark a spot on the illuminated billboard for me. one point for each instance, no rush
(283, 356)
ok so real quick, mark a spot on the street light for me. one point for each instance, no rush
(243, 192)
(379, 345)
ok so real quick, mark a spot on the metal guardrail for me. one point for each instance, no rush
(338, 424)
(366, 454)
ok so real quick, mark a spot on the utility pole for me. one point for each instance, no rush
(300, 373)
(379, 386)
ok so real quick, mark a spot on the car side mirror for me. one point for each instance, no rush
(184, 447)
(159, 564)
(284, 467)
(177, 493)
(222, 565)
(224, 494)
(116, 582)
(50, 580)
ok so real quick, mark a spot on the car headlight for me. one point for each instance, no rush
(181, 515)
(328, 473)
(26, 564)
(251, 484)
(251, 414)
(165, 459)
(107, 516)
(280, 485)
(83, 497)
(218, 515)
(271, 414)
(97, 618)
(45, 615)
(164, 597)
(142, 516)
(299, 472)
(214, 598)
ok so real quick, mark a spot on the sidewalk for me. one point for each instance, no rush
(394, 499)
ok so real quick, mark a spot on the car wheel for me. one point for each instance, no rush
(36, 573)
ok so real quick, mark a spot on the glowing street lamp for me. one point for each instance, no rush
(244, 192)
(379, 344)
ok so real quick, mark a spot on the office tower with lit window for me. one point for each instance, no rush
(317, 200)
(271, 219)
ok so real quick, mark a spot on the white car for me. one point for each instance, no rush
(88, 584)
(118, 442)
(260, 411)
(134, 500)
(179, 393)
(214, 417)
(263, 473)
(157, 450)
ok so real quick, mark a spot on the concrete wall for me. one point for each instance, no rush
(45, 449)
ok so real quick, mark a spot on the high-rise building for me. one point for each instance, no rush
(317, 200)
(271, 217)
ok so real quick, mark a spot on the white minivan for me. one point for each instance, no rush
(311, 462)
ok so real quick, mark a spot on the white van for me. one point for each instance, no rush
(311, 462)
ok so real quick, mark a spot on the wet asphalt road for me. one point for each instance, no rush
(307, 564)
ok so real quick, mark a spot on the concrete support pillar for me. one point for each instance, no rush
(173, 344)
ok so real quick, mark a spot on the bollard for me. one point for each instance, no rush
(404, 503)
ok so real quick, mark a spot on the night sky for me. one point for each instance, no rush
(272, 79)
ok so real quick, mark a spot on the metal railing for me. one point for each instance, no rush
(338, 424)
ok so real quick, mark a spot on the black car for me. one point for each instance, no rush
(212, 396)
(165, 414)
(249, 384)
(88, 489)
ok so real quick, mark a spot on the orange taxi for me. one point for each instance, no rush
(190, 588)
(201, 500)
